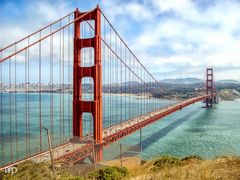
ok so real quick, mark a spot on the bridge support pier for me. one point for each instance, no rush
(79, 72)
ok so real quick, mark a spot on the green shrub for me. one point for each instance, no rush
(29, 170)
(165, 162)
(191, 157)
(109, 173)
(143, 162)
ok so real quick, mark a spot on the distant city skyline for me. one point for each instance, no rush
(169, 37)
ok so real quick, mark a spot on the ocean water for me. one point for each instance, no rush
(192, 131)
(21, 119)
(208, 133)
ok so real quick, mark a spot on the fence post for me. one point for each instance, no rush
(121, 158)
(140, 145)
(94, 157)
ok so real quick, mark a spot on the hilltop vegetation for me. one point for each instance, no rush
(226, 90)
(165, 167)
(192, 168)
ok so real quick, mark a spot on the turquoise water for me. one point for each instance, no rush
(191, 131)
(194, 131)
(21, 118)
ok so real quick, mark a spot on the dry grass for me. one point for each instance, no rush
(193, 169)
(28, 171)
(222, 168)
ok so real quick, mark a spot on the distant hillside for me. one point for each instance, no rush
(229, 81)
(182, 81)
(131, 83)
(171, 88)
(196, 80)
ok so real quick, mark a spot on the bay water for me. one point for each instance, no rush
(192, 131)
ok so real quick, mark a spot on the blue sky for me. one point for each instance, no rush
(169, 36)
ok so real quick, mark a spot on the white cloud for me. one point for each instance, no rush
(132, 9)
(174, 35)
(183, 33)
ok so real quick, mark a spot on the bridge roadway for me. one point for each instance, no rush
(76, 149)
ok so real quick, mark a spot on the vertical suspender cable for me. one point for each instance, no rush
(10, 107)
(1, 112)
(40, 95)
(51, 87)
(139, 74)
(144, 90)
(28, 104)
(121, 84)
(129, 87)
(110, 76)
(60, 81)
(25, 100)
(147, 93)
(63, 88)
(149, 85)
(125, 85)
(15, 99)
(68, 85)
(116, 81)
(141, 91)
(104, 71)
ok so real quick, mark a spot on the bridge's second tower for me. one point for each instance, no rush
(209, 87)
(95, 72)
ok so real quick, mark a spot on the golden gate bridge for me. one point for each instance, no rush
(75, 76)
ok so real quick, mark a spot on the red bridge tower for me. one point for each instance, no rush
(95, 71)
(209, 87)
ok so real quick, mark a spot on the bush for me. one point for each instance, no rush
(165, 162)
(109, 173)
(191, 158)
(143, 162)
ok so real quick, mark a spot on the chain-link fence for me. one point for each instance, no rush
(122, 155)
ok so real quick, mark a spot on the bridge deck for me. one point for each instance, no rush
(76, 150)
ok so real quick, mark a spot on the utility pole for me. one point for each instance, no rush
(50, 149)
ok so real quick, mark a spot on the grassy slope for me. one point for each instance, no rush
(191, 168)
(221, 168)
